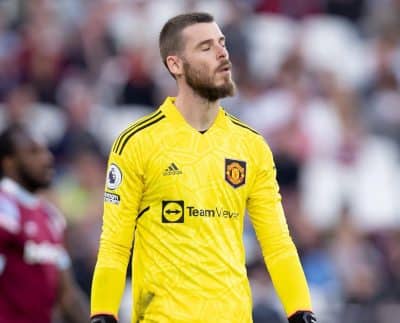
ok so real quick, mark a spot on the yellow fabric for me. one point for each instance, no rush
(182, 199)
(280, 254)
(107, 291)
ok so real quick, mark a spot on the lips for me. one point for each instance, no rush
(224, 67)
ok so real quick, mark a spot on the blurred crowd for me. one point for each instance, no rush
(320, 79)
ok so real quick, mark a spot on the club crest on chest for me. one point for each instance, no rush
(235, 172)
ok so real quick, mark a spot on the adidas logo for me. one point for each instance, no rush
(172, 170)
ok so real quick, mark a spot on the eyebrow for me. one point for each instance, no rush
(208, 41)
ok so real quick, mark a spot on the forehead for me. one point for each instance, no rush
(197, 33)
(25, 141)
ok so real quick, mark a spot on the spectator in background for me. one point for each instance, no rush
(383, 113)
(77, 99)
(350, 9)
(77, 192)
(41, 57)
(360, 284)
(19, 105)
(35, 272)
(9, 49)
(236, 39)
(139, 87)
(292, 8)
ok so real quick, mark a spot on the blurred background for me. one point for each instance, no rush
(318, 78)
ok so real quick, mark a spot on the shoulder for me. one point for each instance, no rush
(138, 129)
(9, 214)
(54, 215)
(245, 131)
(239, 126)
(255, 141)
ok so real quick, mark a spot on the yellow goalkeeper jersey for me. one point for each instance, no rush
(175, 199)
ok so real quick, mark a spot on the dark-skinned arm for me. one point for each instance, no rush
(73, 303)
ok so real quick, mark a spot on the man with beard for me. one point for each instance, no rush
(34, 267)
(179, 182)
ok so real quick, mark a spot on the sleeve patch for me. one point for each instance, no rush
(114, 177)
(111, 198)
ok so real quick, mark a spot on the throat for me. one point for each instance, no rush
(198, 113)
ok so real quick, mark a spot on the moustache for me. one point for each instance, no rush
(226, 65)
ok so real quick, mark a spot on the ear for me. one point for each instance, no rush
(175, 65)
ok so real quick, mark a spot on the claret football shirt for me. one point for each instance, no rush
(31, 255)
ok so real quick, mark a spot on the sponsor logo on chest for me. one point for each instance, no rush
(175, 211)
(42, 253)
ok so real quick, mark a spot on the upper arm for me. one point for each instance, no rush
(264, 202)
(279, 252)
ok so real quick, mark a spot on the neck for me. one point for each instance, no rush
(197, 111)
(10, 186)
(19, 181)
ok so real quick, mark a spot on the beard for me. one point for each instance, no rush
(203, 84)
(31, 182)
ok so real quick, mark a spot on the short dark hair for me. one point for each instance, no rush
(170, 40)
(8, 142)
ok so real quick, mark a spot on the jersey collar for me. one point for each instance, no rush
(26, 198)
(172, 113)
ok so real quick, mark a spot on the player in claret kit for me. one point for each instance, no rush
(34, 266)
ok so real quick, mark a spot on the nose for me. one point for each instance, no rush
(222, 52)
(48, 157)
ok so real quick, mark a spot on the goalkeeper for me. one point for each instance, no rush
(178, 184)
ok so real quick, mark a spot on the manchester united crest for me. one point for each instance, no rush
(235, 172)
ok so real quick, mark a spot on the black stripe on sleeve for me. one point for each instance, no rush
(134, 131)
(232, 117)
(132, 127)
(244, 126)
